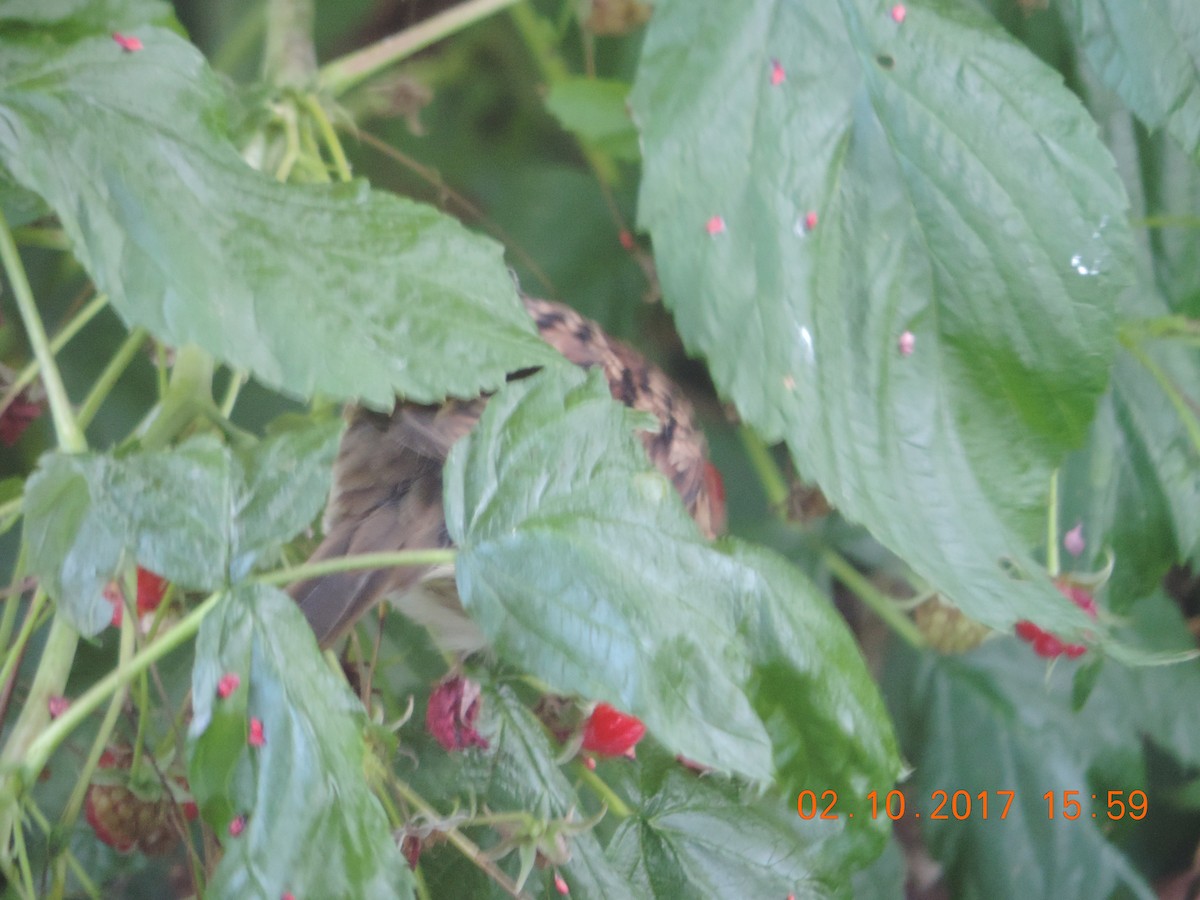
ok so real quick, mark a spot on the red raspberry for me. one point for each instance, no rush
(451, 714)
(1077, 595)
(16, 417)
(1027, 631)
(610, 732)
(129, 819)
(150, 590)
(1048, 645)
(113, 595)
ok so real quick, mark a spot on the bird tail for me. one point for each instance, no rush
(333, 603)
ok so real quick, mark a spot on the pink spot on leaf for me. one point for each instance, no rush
(907, 342)
(237, 826)
(228, 684)
(810, 221)
(128, 43)
(715, 226)
(778, 76)
(57, 706)
(898, 13)
(257, 738)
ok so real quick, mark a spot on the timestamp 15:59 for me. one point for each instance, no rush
(1119, 804)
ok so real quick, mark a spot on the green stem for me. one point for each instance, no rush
(60, 340)
(70, 437)
(241, 40)
(19, 761)
(608, 796)
(1177, 327)
(882, 605)
(539, 41)
(10, 509)
(107, 724)
(110, 376)
(461, 842)
(311, 163)
(289, 59)
(14, 653)
(188, 395)
(1182, 408)
(43, 238)
(23, 862)
(1166, 222)
(339, 76)
(768, 471)
(12, 606)
(358, 561)
(236, 381)
(329, 137)
(1052, 558)
(87, 703)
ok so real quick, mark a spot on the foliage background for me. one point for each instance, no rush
(1040, 366)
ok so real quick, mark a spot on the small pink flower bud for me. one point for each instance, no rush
(1073, 541)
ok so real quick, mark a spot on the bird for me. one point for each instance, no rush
(387, 484)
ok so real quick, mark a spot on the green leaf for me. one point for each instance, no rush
(985, 723)
(996, 719)
(304, 789)
(284, 483)
(198, 515)
(85, 512)
(11, 490)
(1139, 455)
(1003, 258)
(594, 110)
(20, 207)
(331, 289)
(821, 706)
(581, 566)
(705, 837)
(1150, 701)
(74, 18)
(589, 573)
(1149, 53)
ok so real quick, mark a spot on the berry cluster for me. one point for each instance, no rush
(1049, 645)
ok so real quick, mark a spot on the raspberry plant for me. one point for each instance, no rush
(937, 257)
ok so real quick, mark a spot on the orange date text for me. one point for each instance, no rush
(961, 805)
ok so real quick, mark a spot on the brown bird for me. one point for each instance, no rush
(387, 483)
